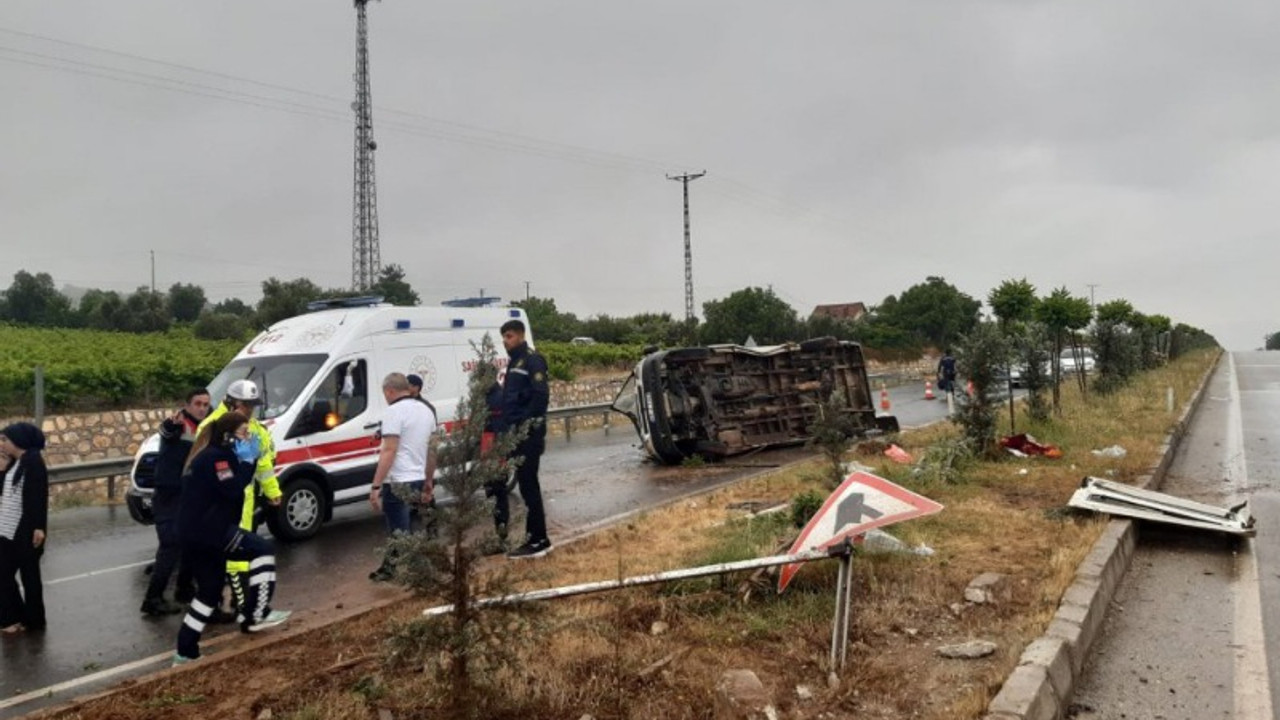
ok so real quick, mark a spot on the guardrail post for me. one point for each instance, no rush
(111, 487)
(606, 423)
(567, 425)
(39, 390)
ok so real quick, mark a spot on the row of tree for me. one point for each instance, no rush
(932, 313)
(33, 299)
(1034, 334)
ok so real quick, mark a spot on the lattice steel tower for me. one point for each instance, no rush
(688, 248)
(366, 261)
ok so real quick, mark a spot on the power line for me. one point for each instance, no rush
(426, 126)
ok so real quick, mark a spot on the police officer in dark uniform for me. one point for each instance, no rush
(525, 394)
(177, 434)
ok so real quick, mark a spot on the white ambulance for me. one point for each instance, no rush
(321, 377)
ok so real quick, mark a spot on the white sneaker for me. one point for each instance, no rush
(273, 618)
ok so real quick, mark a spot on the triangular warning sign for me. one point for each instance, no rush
(863, 502)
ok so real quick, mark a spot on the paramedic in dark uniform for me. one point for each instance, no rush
(225, 460)
(525, 394)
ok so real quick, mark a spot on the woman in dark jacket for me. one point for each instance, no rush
(24, 518)
(221, 467)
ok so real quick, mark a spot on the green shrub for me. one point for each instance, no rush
(803, 507)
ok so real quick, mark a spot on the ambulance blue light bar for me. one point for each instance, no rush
(458, 322)
(514, 313)
(402, 324)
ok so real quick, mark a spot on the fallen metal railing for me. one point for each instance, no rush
(844, 589)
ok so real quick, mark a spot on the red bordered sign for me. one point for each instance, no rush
(863, 502)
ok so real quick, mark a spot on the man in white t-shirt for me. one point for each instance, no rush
(407, 426)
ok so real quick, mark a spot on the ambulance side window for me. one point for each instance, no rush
(341, 397)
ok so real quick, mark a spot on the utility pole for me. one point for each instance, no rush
(1091, 286)
(153, 272)
(526, 291)
(688, 251)
(366, 262)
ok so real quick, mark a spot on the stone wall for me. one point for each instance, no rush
(119, 433)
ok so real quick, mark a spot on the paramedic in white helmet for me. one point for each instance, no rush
(243, 396)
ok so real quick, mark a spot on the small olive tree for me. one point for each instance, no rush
(1014, 303)
(1117, 345)
(1032, 353)
(979, 355)
(1062, 315)
(832, 432)
(468, 644)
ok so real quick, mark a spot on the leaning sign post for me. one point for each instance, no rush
(862, 503)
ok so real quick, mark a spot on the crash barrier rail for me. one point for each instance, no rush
(839, 625)
(113, 468)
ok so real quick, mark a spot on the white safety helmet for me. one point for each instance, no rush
(245, 391)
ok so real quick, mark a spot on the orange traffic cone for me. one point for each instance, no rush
(884, 397)
(928, 390)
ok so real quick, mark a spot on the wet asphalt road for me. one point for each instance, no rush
(1197, 615)
(94, 579)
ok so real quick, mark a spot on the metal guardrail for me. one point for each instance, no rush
(90, 469)
(111, 468)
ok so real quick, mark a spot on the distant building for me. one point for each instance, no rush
(840, 311)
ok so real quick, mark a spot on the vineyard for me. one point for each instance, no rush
(92, 369)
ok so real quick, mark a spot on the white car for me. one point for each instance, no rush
(1069, 365)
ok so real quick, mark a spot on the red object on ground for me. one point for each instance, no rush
(1028, 445)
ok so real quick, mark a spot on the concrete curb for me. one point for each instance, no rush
(1040, 687)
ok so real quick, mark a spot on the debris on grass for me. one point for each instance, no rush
(971, 650)
(898, 455)
(1024, 445)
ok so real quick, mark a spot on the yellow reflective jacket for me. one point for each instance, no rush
(264, 475)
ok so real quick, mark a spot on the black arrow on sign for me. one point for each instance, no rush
(851, 510)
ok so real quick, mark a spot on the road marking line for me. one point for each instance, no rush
(92, 573)
(52, 690)
(1252, 681)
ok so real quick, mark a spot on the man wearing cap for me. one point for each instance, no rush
(243, 397)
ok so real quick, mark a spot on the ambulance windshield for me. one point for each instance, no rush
(280, 379)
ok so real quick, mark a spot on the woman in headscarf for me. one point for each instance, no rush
(24, 518)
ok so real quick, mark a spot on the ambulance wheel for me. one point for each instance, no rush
(300, 513)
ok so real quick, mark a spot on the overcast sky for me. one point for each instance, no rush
(852, 148)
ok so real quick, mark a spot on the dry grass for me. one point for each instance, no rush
(599, 655)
